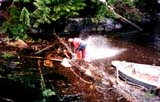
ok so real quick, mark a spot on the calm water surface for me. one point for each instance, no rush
(143, 49)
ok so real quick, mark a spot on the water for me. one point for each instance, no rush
(98, 47)
(142, 49)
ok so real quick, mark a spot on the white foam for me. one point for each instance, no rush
(98, 47)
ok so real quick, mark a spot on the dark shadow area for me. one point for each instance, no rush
(11, 91)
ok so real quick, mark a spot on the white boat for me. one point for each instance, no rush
(140, 74)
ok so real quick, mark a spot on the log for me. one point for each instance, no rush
(123, 18)
(62, 42)
(44, 49)
(38, 57)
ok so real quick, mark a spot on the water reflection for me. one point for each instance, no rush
(157, 41)
(141, 48)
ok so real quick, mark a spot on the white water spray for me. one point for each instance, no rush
(98, 47)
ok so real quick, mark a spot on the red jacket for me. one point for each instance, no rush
(77, 42)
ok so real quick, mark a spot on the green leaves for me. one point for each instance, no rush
(17, 22)
(41, 14)
(101, 12)
(7, 56)
(48, 93)
(25, 17)
(129, 2)
(111, 2)
(21, 18)
(25, 1)
(17, 31)
(13, 13)
(4, 27)
(48, 11)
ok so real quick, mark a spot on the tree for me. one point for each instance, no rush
(22, 15)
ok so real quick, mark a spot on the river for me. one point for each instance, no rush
(141, 48)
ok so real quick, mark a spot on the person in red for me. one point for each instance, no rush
(79, 47)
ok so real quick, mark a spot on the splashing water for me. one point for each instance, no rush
(98, 47)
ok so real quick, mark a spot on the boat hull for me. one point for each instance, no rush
(132, 80)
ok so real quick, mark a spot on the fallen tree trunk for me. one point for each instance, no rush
(123, 18)
(126, 20)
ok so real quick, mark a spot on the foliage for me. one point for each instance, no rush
(20, 18)
(48, 93)
(8, 55)
(24, 1)
(127, 8)
(17, 23)
(52, 11)
(23, 15)
(27, 76)
(106, 8)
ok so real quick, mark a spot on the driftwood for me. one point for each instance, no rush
(44, 49)
(18, 43)
(43, 58)
(62, 42)
(60, 60)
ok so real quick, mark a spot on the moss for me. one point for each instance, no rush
(7, 56)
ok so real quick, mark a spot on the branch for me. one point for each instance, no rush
(44, 49)
(80, 76)
(119, 16)
(61, 41)
(37, 57)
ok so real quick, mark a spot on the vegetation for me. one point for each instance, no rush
(24, 15)
(7, 56)
(21, 18)
(29, 77)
